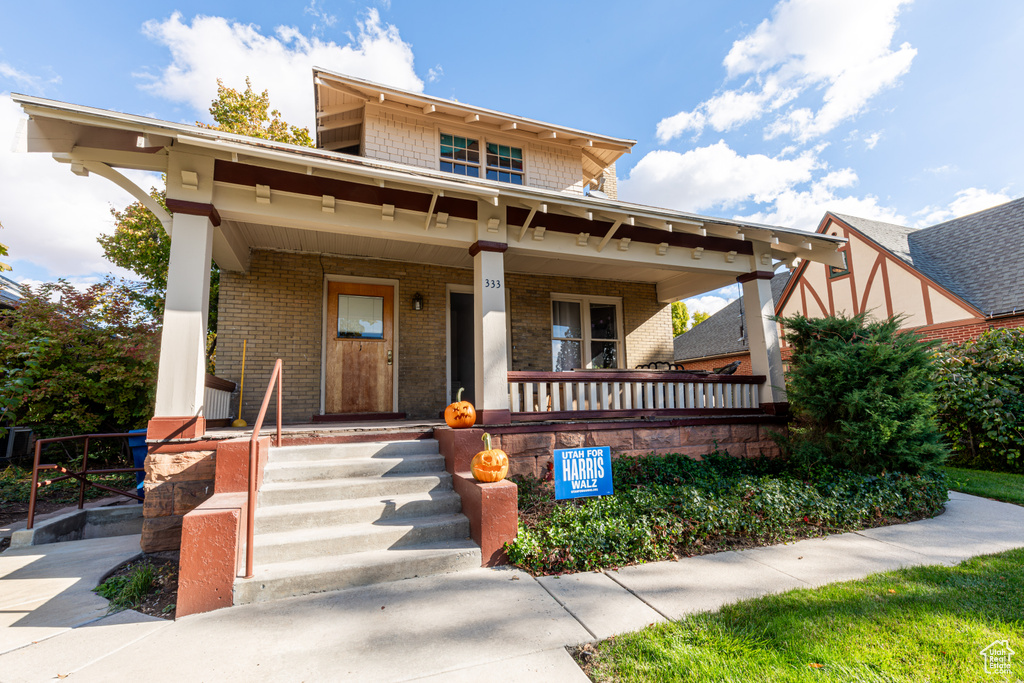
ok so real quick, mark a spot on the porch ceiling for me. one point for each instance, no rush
(273, 237)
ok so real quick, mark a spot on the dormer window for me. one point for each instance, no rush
(460, 155)
(504, 163)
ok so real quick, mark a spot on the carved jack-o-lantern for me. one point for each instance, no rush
(490, 464)
(460, 414)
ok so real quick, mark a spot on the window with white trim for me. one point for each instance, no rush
(460, 155)
(586, 332)
(504, 163)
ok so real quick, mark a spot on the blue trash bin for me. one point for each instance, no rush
(139, 450)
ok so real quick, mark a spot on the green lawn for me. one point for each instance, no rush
(919, 624)
(997, 485)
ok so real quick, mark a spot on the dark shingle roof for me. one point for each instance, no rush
(979, 257)
(720, 334)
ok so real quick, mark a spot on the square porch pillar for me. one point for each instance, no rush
(763, 339)
(181, 375)
(489, 327)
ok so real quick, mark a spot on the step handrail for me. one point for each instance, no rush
(251, 506)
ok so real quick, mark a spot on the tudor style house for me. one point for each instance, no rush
(424, 245)
(951, 281)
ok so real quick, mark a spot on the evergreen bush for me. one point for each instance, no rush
(981, 400)
(862, 395)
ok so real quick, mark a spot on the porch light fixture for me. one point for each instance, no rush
(417, 302)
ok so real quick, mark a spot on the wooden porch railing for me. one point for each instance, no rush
(628, 393)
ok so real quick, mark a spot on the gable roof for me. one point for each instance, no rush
(720, 334)
(978, 257)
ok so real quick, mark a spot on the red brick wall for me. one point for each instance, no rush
(712, 363)
(961, 333)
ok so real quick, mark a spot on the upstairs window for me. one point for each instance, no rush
(834, 272)
(460, 155)
(504, 163)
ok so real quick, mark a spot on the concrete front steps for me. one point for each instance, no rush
(337, 516)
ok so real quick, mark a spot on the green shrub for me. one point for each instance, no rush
(981, 399)
(862, 395)
(77, 362)
(671, 505)
(127, 591)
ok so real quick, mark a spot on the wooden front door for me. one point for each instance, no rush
(360, 353)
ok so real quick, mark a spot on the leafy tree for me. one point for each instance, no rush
(862, 395)
(680, 318)
(682, 321)
(247, 113)
(981, 399)
(78, 362)
(3, 252)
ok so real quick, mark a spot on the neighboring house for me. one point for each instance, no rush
(951, 281)
(423, 246)
(722, 338)
(10, 293)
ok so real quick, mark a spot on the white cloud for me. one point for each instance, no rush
(707, 303)
(212, 47)
(322, 18)
(840, 48)
(34, 84)
(712, 176)
(969, 200)
(804, 209)
(52, 217)
(435, 73)
(872, 140)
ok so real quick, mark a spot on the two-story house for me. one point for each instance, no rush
(425, 245)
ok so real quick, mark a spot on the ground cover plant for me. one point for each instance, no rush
(1003, 486)
(148, 585)
(981, 397)
(918, 624)
(667, 506)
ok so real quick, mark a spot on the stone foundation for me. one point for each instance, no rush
(530, 447)
(178, 478)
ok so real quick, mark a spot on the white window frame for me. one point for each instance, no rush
(584, 302)
(483, 139)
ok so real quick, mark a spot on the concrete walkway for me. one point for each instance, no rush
(496, 624)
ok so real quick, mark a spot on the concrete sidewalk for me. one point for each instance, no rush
(495, 624)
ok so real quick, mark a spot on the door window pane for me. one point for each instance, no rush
(604, 354)
(565, 320)
(602, 321)
(566, 355)
(360, 317)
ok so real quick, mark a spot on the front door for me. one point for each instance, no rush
(360, 354)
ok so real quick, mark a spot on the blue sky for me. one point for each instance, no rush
(778, 111)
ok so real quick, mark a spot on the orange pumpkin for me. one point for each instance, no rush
(490, 464)
(460, 414)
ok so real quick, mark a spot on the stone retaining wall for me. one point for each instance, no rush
(177, 480)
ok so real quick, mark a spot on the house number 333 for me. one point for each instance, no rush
(492, 284)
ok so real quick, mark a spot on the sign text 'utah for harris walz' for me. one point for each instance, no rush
(582, 472)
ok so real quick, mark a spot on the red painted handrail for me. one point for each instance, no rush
(251, 507)
(80, 475)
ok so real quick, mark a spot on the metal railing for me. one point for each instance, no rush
(622, 393)
(81, 475)
(250, 525)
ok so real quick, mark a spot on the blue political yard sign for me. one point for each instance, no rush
(583, 472)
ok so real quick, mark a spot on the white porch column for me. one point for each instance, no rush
(181, 376)
(763, 338)
(489, 326)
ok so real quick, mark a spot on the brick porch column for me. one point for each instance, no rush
(490, 331)
(763, 337)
